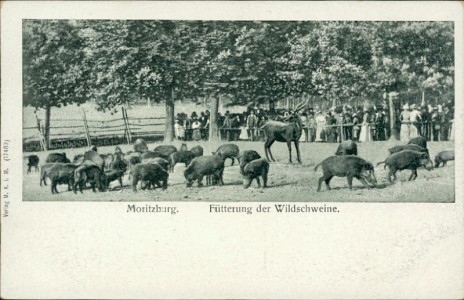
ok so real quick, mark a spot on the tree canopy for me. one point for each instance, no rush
(120, 61)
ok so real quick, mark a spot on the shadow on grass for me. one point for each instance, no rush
(282, 184)
(381, 186)
(356, 188)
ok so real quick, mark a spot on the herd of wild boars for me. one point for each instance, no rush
(411, 156)
(150, 169)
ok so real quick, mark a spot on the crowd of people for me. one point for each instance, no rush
(435, 123)
(361, 123)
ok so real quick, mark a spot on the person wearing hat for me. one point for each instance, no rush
(445, 124)
(196, 125)
(331, 132)
(303, 119)
(452, 130)
(320, 129)
(251, 125)
(236, 123)
(435, 123)
(204, 121)
(347, 121)
(179, 130)
(226, 126)
(379, 121)
(356, 126)
(311, 126)
(187, 124)
(405, 118)
(425, 126)
(365, 135)
(416, 119)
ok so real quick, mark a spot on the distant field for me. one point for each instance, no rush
(287, 182)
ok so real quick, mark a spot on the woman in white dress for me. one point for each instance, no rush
(180, 130)
(405, 119)
(320, 121)
(451, 138)
(366, 133)
(415, 118)
(196, 135)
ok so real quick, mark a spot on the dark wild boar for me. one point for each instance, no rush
(96, 158)
(33, 161)
(204, 166)
(158, 160)
(410, 147)
(229, 151)
(140, 146)
(154, 154)
(419, 141)
(59, 173)
(180, 157)
(89, 173)
(197, 151)
(348, 147)
(57, 157)
(166, 150)
(406, 160)
(119, 163)
(349, 166)
(255, 169)
(44, 171)
(113, 175)
(246, 157)
(443, 157)
(151, 174)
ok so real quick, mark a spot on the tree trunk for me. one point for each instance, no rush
(213, 125)
(47, 127)
(391, 108)
(169, 125)
(271, 106)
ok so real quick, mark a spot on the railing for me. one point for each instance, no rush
(74, 133)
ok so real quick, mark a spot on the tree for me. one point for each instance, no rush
(52, 72)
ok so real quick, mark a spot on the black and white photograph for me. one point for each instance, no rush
(232, 150)
(193, 110)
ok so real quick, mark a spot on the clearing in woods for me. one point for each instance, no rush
(287, 182)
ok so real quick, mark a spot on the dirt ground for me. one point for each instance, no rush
(287, 182)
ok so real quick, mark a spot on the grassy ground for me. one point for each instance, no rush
(287, 182)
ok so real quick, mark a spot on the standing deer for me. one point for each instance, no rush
(284, 132)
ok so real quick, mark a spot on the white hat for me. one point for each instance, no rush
(406, 106)
(413, 106)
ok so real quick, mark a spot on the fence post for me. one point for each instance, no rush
(41, 136)
(126, 125)
(342, 133)
(86, 128)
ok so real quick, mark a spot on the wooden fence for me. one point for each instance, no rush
(78, 131)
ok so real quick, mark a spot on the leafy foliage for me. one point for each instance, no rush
(118, 61)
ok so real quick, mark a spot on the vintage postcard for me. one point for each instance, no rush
(219, 150)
